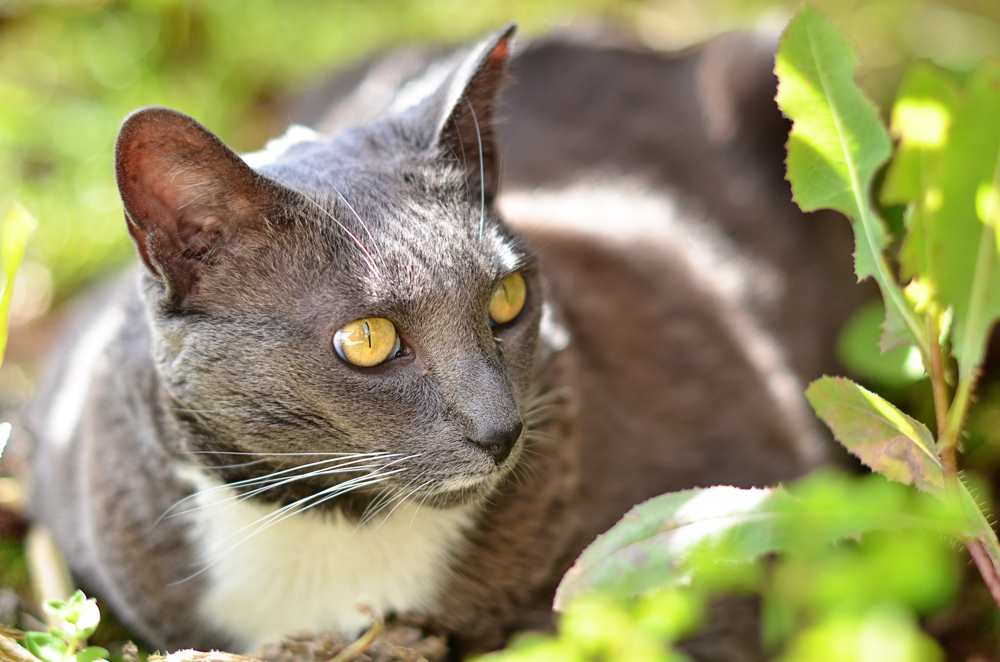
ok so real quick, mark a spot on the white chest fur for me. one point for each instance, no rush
(267, 576)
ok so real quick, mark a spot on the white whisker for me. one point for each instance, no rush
(271, 477)
(297, 507)
(375, 454)
(401, 500)
(294, 508)
(482, 174)
(387, 498)
(361, 221)
(368, 256)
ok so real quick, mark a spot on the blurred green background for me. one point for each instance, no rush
(71, 70)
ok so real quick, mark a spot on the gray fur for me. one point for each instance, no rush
(225, 344)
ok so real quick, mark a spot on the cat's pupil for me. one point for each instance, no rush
(367, 342)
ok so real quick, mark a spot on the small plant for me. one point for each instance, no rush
(74, 620)
(946, 169)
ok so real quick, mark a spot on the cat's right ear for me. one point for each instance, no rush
(466, 129)
(185, 193)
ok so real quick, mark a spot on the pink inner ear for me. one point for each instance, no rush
(174, 194)
(187, 195)
(184, 192)
(499, 53)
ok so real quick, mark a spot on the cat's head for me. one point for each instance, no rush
(355, 295)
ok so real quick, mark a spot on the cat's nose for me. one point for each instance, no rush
(498, 442)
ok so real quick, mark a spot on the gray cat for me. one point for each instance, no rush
(341, 372)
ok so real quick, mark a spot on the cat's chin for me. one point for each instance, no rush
(463, 491)
(475, 486)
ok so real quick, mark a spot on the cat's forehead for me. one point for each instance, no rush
(407, 222)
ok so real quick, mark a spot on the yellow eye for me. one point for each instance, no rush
(508, 300)
(366, 342)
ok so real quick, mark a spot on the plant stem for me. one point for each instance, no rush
(363, 643)
(956, 418)
(71, 649)
(938, 384)
(986, 568)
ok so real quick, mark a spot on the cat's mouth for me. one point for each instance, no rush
(468, 485)
(461, 491)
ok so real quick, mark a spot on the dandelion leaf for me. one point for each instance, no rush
(884, 438)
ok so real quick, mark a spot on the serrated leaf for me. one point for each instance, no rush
(836, 145)
(895, 332)
(884, 438)
(45, 647)
(837, 141)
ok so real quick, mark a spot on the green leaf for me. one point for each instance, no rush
(836, 145)
(88, 617)
(884, 438)
(77, 617)
(649, 547)
(91, 654)
(676, 538)
(17, 227)
(837, 141)
(959, 219)
(45, 647)
(922, 117)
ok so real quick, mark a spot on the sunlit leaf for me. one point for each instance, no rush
(649, 547)
(885, 632)
(45, 647)
(671, 539)
(836, 145)
(837, 141)
(17, 227)
(959, 219)
(92, 654)
(884, 438)
(922, 116)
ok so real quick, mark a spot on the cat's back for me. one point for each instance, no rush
(699, 299)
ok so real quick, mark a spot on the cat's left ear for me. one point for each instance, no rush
(465, 130)
(186, 196)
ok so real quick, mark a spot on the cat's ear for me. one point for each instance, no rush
(185, 193)
(465, 130)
